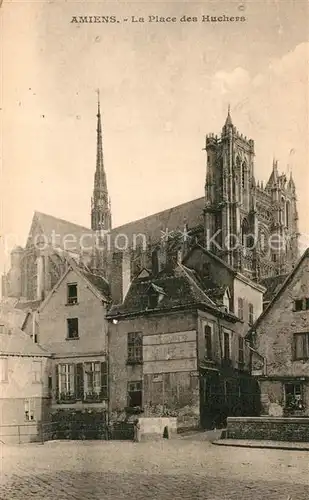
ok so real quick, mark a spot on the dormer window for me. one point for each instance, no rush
(155, 296)
(72, 293)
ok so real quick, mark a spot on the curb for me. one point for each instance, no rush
(271, 445)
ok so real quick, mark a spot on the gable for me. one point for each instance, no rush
(209, 267)
(296, 286)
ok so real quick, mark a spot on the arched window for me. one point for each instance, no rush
(282, 210)
(244, 176)
(244, 232)
(287, 214)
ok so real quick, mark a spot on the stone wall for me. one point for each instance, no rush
(268, 428)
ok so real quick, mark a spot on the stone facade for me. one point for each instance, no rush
(270, 429)
(281, 337)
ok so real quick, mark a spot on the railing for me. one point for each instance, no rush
(28, 432)
(40, 432)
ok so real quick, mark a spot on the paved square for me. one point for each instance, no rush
(180, 469)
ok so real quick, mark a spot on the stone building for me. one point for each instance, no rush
(281, 337)
(252, 228)
(176, 342)
(24, 386)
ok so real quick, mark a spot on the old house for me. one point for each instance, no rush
(176, 346)
(24, 386)
(71, 326)
(281, 337)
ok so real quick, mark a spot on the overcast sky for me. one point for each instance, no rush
(163, 87)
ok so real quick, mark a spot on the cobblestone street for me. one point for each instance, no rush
(180, 469)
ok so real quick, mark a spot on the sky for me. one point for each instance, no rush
(163, 87)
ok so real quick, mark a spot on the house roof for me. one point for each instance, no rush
(19, 343)
(217, 259)
(97, 283)
(272, 284)
(31, 305)
(180, 288)
(281, 290)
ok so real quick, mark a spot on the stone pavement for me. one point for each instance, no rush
(177, 469)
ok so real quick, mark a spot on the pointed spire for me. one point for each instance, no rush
(100, 203)
(228, 121)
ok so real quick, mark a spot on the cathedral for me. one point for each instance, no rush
(250, 226)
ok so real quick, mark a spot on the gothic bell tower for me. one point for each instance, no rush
(101, 218)
(230, 201)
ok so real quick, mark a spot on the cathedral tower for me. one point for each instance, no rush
(230, 201)
(100, 204)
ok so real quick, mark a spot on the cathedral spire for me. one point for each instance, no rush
(228, 121)
(100, 203)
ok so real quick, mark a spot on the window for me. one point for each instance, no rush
(66, 380)
(226, 344)
(251, 315)
(301, 304)
(208, 341)
(241, 345)
(72, 293)
(134, 394)
(4, 372)
(29, 406)
(37, 372)
(153, 299)
(301, 346)
(293, 393)
(240, 308)
(72, 328)
(274, 257)
(135, 347)
(93, 378)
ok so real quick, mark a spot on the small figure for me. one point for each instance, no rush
(137, 431)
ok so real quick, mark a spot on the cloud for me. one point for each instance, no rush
(228, 81)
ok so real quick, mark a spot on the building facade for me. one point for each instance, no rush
(70, 325)
(24, 386)
(177, 346)
(280, 337)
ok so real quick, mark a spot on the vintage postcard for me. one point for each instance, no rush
(154, 250)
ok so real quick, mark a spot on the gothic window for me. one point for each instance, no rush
(282, 211)
(244, 176)
(287, 214)
(245, 233)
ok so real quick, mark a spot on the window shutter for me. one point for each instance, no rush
(104, 384)
(57, 395)
(79, 380)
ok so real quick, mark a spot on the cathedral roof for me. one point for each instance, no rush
(51, 225)
(190, 213)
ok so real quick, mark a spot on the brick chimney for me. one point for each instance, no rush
(120, 276)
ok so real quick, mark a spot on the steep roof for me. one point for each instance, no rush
(97, 283)
(174, 218)
(272, 284)
(281, 290)
(19, 343)
(59, 231)
(180, 288)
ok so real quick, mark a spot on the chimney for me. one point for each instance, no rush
(120, 276)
